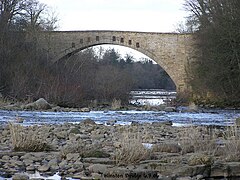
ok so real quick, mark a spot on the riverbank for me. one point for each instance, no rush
(148, 151)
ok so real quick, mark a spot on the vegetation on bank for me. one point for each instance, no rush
(215, 75)
(89, 77)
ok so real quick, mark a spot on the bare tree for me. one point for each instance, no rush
(218, 69)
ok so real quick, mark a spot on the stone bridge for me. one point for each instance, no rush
(171, 51)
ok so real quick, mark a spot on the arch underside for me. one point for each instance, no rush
(71, 51)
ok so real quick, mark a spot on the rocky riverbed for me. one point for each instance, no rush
(137, 151)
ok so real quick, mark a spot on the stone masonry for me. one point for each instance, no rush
(171, 51)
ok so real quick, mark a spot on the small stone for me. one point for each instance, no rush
(96, 176)
(111, 122)
(72, 156)
(184, 178)
(170, 109)
(85, 109)
(20, 177)
(6, 158)
(43, 168)
(98, 168)
(30, 168)
(88, 121)
(199, 177)
(237, 121)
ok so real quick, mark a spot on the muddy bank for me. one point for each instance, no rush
(138, 151)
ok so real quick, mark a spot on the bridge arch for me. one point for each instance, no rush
(169, 50)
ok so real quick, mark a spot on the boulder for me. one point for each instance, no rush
(40, 104)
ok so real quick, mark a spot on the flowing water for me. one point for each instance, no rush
(217, 117)
(151, 97)
(146, 97)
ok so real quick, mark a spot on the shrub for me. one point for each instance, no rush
(131, 150)
(27, 139)
(116, 104)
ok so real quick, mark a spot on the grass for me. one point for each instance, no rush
(197, 139)
(231, 144)
(220, 143)
(131, 149)
(27, 139)
(4, 101)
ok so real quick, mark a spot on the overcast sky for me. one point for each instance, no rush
(126, 15)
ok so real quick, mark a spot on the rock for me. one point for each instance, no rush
(88, 121)
(237, 121)
(6, 158)
(56, 108)
(199, 177)
(98, 168)
(30, 168)
(231, 169)
(19, 120)
(98, 160)
(40, 104)
(170, 109)
(184, 178)
(20, 177)
(167, 147)
(63, 164)
(75, 130)
(166, 123)
(85, 109)
(43, 168)
(134, 123)
(72, 156)
(96, 176)
(190, 171)
(28, 161)
(111, 122)
(218, 170)
(234, 169)
(12, 107)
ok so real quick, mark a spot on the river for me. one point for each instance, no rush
(146, 97)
